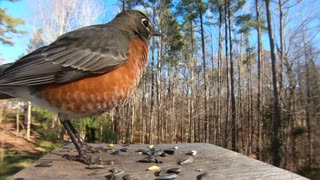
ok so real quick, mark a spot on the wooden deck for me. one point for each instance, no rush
(213, 161)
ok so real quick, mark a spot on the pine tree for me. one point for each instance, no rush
(9, 27)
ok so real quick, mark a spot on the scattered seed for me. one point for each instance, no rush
(149, 159)
(95, 166)
(96, 172)
(169, 151)
(44, 164)
(188, 160)
(116, 171)
(153, 168)
(158, 152)
(110, 162)
(200, 176)
(142, 151)
(167, 177)
(124, 149)
(192, 153)
(110, 145)
(116, 152)
(174, 170)
(130, 177)
(113, 177)
(105, 149)
(159, 173)
(127, 177)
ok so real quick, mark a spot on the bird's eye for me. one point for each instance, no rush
(145, 23)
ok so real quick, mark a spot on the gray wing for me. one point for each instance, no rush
(78, 54)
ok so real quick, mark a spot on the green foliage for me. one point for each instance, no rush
(43, 116)
(237, 5)
(48, 134)
(174, 42)
(42, 125)
(130, 4)
(110, 137)
(48, 145)
(255, 24)
(188, 9)
(89, 126)
(14, 161)
(8, 27)
(91, 129)
(243, 21)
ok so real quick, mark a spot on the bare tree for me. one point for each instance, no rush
(233, 101)
(276, 143)
(59, 16)
(260, 71)
(55, 18)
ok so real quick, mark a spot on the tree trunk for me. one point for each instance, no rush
(233, 100)
(259, 113)
(28, 120)
(281, 51)
(276, 141)
(218, 124)
(159, 101)
(142, 112)
(152, 99)
(204, 66)
(308, 103)
(240, 96)
(17, 123)
(225, 139)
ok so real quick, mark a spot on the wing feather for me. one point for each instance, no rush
(78, 54)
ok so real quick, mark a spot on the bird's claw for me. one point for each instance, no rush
(86, 159)
(90, 149)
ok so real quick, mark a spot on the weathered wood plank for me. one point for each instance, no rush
(219, 163)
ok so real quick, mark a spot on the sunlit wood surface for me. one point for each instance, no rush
(217, 162)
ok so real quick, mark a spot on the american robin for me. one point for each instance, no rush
(84, 72)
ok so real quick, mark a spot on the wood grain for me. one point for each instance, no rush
(219, 163)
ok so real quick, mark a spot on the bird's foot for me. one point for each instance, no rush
(90, 149)
(93, 149)
(84, 158)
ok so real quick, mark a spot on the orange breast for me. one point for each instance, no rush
(100, 93)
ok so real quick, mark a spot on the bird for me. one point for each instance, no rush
(84, 72)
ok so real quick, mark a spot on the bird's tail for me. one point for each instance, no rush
(5, 96)
(2, 69)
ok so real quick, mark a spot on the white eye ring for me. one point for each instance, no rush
(145, 23)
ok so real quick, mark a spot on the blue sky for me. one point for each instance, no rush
(22, 9)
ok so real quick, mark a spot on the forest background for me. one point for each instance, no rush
(241, 74)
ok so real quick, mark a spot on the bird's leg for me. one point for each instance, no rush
(84, 146)
(76, 134)
(82, 155)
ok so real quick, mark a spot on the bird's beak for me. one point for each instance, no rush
(157, 33)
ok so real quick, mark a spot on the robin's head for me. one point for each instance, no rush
(136, 22)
